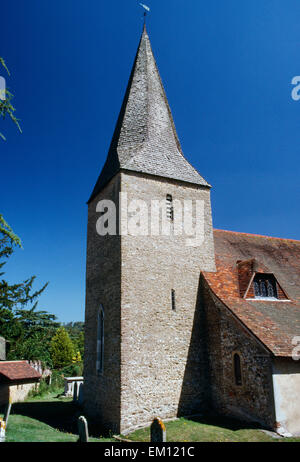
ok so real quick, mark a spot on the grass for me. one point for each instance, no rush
(51, 418)
(210, 429)
(46, 418)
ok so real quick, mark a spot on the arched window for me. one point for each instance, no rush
(100, 341)
(237, 369)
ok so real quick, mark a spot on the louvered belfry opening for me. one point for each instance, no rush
(169, 207)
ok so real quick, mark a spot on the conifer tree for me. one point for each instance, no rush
(27, 331)
(62, 349)
(6, 107)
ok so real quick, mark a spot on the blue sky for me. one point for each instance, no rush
(227, 69)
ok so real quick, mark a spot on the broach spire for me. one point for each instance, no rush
(145, 138)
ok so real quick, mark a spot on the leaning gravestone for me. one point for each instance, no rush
(83, 430)
(158, 431)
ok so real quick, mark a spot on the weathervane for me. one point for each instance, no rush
(147, 9)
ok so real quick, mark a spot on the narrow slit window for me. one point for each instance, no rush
(173, 297)
(100, 341)
(170, 208)
(237, 369)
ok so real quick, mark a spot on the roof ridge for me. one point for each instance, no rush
(256, 235)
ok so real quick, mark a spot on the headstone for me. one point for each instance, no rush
(158, 431)
(2, 431)
(75, 392)
(80, 394)
(83, 430)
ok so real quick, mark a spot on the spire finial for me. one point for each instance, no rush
(147, 9)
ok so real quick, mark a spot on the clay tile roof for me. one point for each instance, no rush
(18, 370)
(275, 323)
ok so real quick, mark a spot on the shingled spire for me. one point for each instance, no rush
(145, 138)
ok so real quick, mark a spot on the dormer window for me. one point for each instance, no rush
(265, 286)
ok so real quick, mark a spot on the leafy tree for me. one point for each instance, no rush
(37, 330)
(77, 358)
(62, 349)
(76, 333)
(6, 107)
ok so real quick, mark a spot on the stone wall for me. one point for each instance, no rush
(253, 400)
(163, 370)
(154, 362)
(101, 393)
(16, 393)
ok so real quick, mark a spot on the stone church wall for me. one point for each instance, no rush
(164, 368)
(101, 393)
(253, 400)
(154, 362)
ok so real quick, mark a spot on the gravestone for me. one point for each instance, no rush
(80, 394)
(75, 392)
(158, 431)
(83, 430)
(2, 431)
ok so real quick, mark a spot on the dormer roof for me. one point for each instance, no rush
(239, 257)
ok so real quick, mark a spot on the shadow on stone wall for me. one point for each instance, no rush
(195, 393)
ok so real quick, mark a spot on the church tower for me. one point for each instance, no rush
(144, 350)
